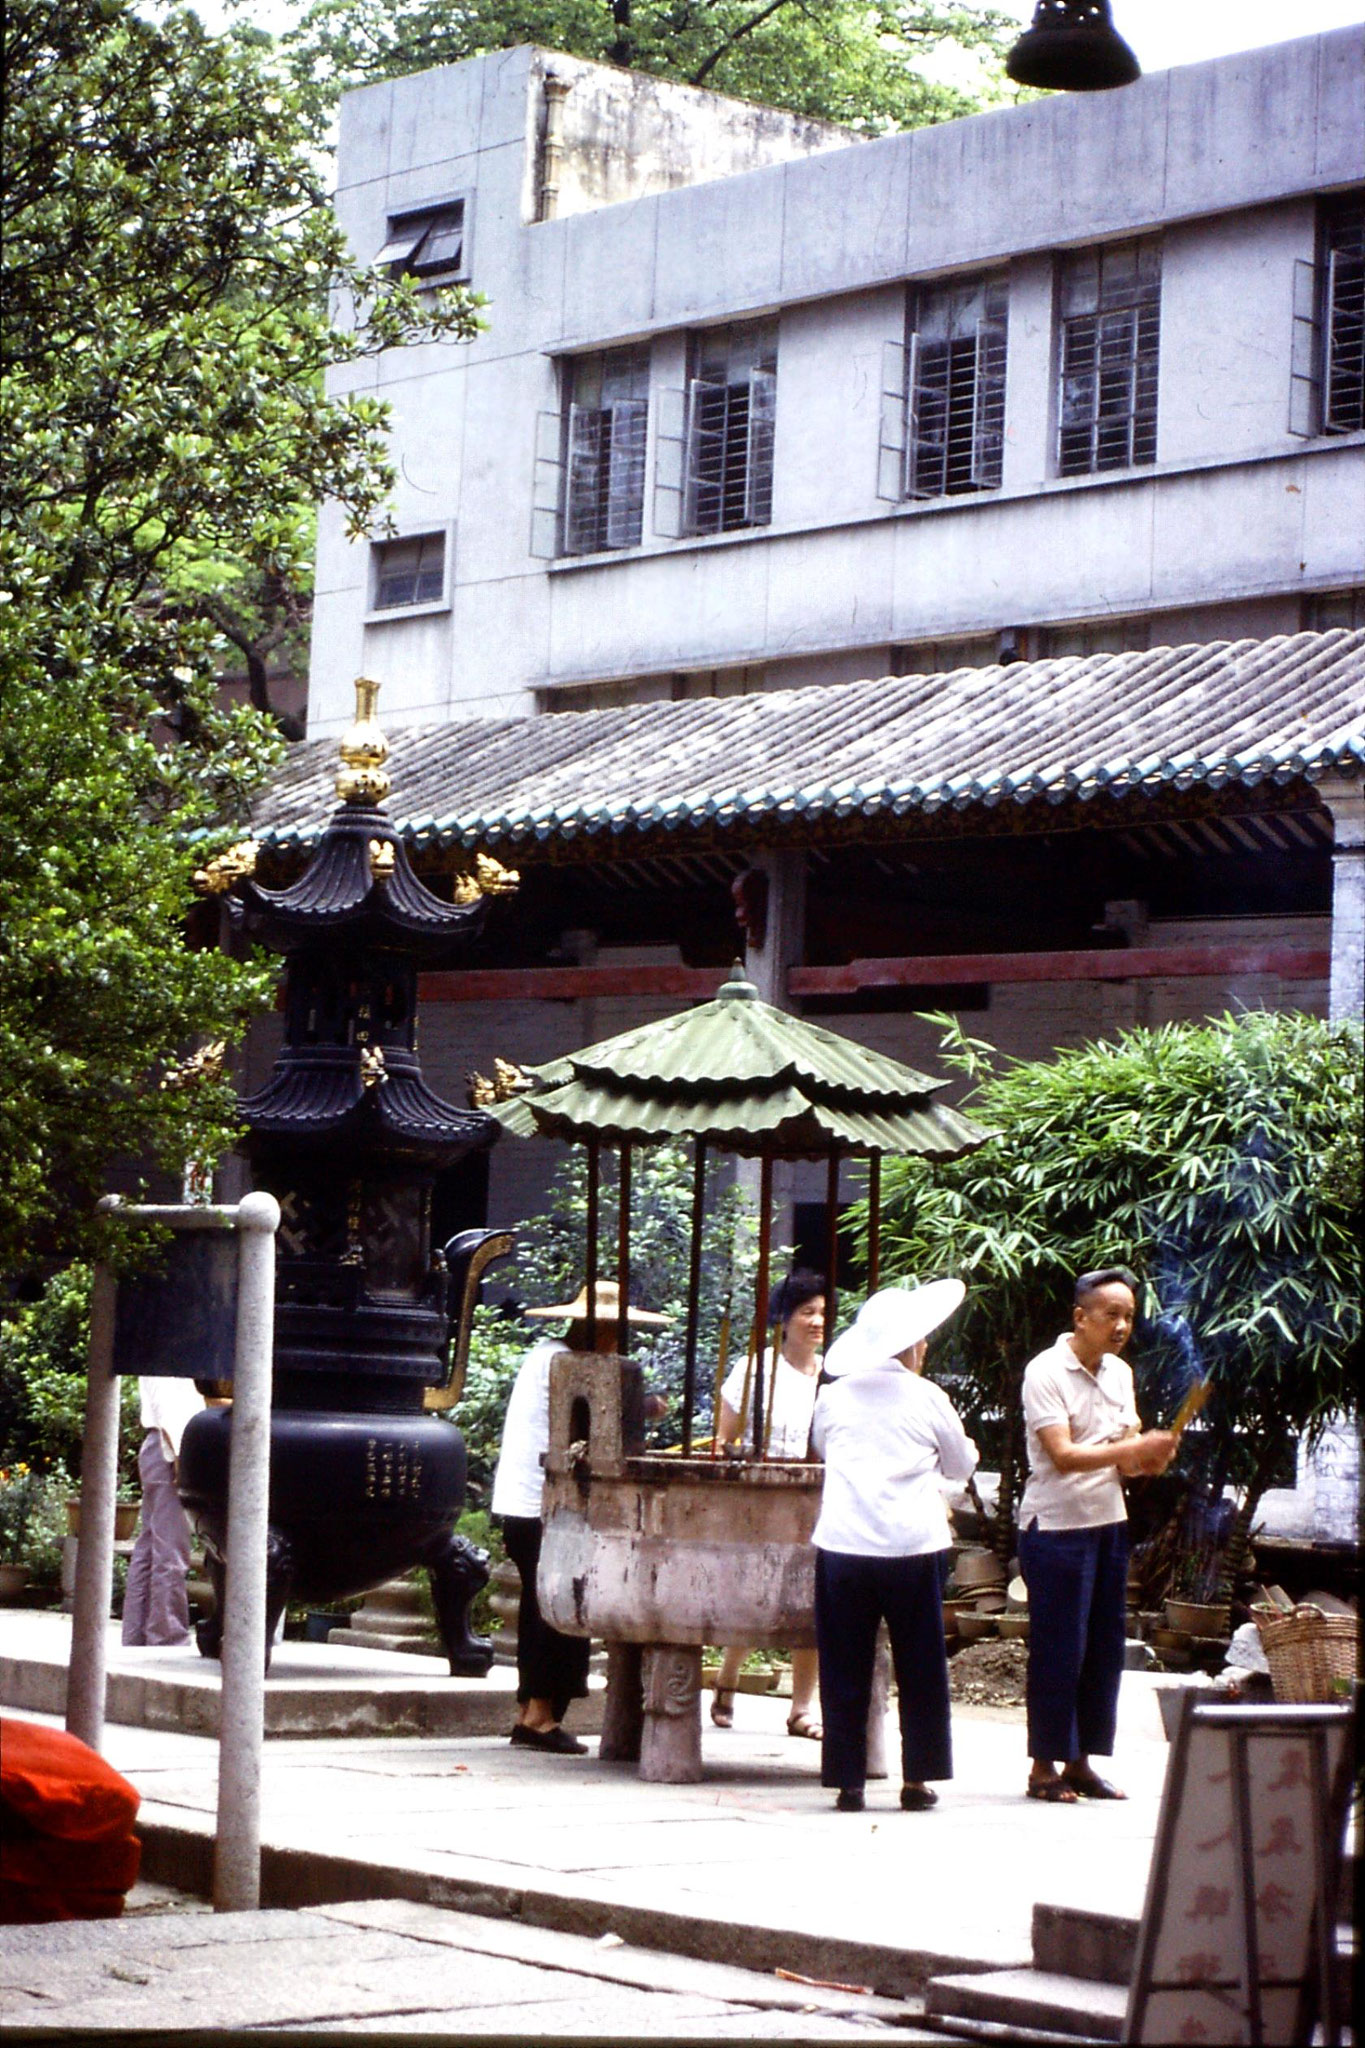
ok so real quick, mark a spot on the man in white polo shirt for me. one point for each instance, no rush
(1083, 1433)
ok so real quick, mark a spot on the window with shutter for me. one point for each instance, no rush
(731, 419)
(1110, 304)
(1343, 319)
(428, 243)
(605, 434)
(952, 393)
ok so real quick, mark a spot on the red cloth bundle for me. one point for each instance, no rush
(67, 1847)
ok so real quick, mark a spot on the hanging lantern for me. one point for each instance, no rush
(1072, 46)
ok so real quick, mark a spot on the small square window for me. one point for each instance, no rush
(428, 243)
(408, 572)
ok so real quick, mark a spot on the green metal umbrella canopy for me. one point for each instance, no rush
(746, 1077)
(736, 1075)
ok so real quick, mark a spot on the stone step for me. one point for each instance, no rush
(1040, 2000)
(1077, 1941)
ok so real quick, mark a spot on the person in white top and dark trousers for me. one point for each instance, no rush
(1083, 1432)
(888, 1437)
(552, 1668)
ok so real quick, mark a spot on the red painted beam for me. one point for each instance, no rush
(929, 970)
(1120, 963)
(567, 984)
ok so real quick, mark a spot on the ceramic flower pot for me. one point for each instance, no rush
(126, 1513)
(13, 1579)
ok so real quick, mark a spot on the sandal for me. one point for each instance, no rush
(1053, 1791)
(723, 1708)
(802, 1724)
(1090, 1785)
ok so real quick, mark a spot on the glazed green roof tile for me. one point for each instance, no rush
(1085, 728)
(748, 1078)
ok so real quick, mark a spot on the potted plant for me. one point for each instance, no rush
(126, 1508)
(1192, 1604)
(21, 1499)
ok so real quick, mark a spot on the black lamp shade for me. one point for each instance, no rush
(1072, 46)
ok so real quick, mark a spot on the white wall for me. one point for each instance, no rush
(1222, 158)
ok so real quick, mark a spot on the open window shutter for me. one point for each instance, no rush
(626, 472)
(930, 370)
(988, 403)
(1305, 355)
(707, 412)
(891, 423)
(442, 244)
(402, 244)
(758, 470)
(547, 486)
(582, 497)
(670, 464)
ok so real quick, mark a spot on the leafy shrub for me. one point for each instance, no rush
(1222, 1163)
(44, 1353)
(33, 1521)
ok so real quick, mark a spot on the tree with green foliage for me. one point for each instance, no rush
(1222, 1163)
(168, 259)
(858, 62)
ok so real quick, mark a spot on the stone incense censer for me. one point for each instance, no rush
(371, 1323)
(658, 1554)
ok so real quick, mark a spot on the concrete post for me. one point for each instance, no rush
(1345, 799)
(237, 1854)
(95, 1551)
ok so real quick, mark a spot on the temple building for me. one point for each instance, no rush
(933, 565)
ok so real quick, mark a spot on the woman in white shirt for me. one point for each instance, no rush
(790, 1382)
(887, 1436)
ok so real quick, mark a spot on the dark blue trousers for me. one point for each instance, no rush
(1077, 1591)
(852, 1596)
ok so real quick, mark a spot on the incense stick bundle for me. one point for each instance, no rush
(1194, 1400)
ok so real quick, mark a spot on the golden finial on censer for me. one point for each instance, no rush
(361, 778)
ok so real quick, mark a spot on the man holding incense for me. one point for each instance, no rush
(1083, 1436)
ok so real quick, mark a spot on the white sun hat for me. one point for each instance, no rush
(889, 1322)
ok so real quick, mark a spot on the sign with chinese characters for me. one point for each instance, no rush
(1236, 1936)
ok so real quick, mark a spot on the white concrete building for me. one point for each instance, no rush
(759, 405)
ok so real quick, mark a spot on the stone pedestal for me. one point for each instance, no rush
(394, 1617)
(670, 1745)
(623, 1718)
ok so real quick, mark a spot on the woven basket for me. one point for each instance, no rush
(1312, 1655)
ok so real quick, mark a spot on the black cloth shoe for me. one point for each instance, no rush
(918, 1798)
(555, 1741)
(850, 1800)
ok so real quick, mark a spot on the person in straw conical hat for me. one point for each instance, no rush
(552, 1669)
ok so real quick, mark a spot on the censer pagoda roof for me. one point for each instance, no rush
(748, 1078)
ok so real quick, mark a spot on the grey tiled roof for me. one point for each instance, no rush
(1080, 727)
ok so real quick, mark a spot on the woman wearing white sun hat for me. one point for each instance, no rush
(887, 1436)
